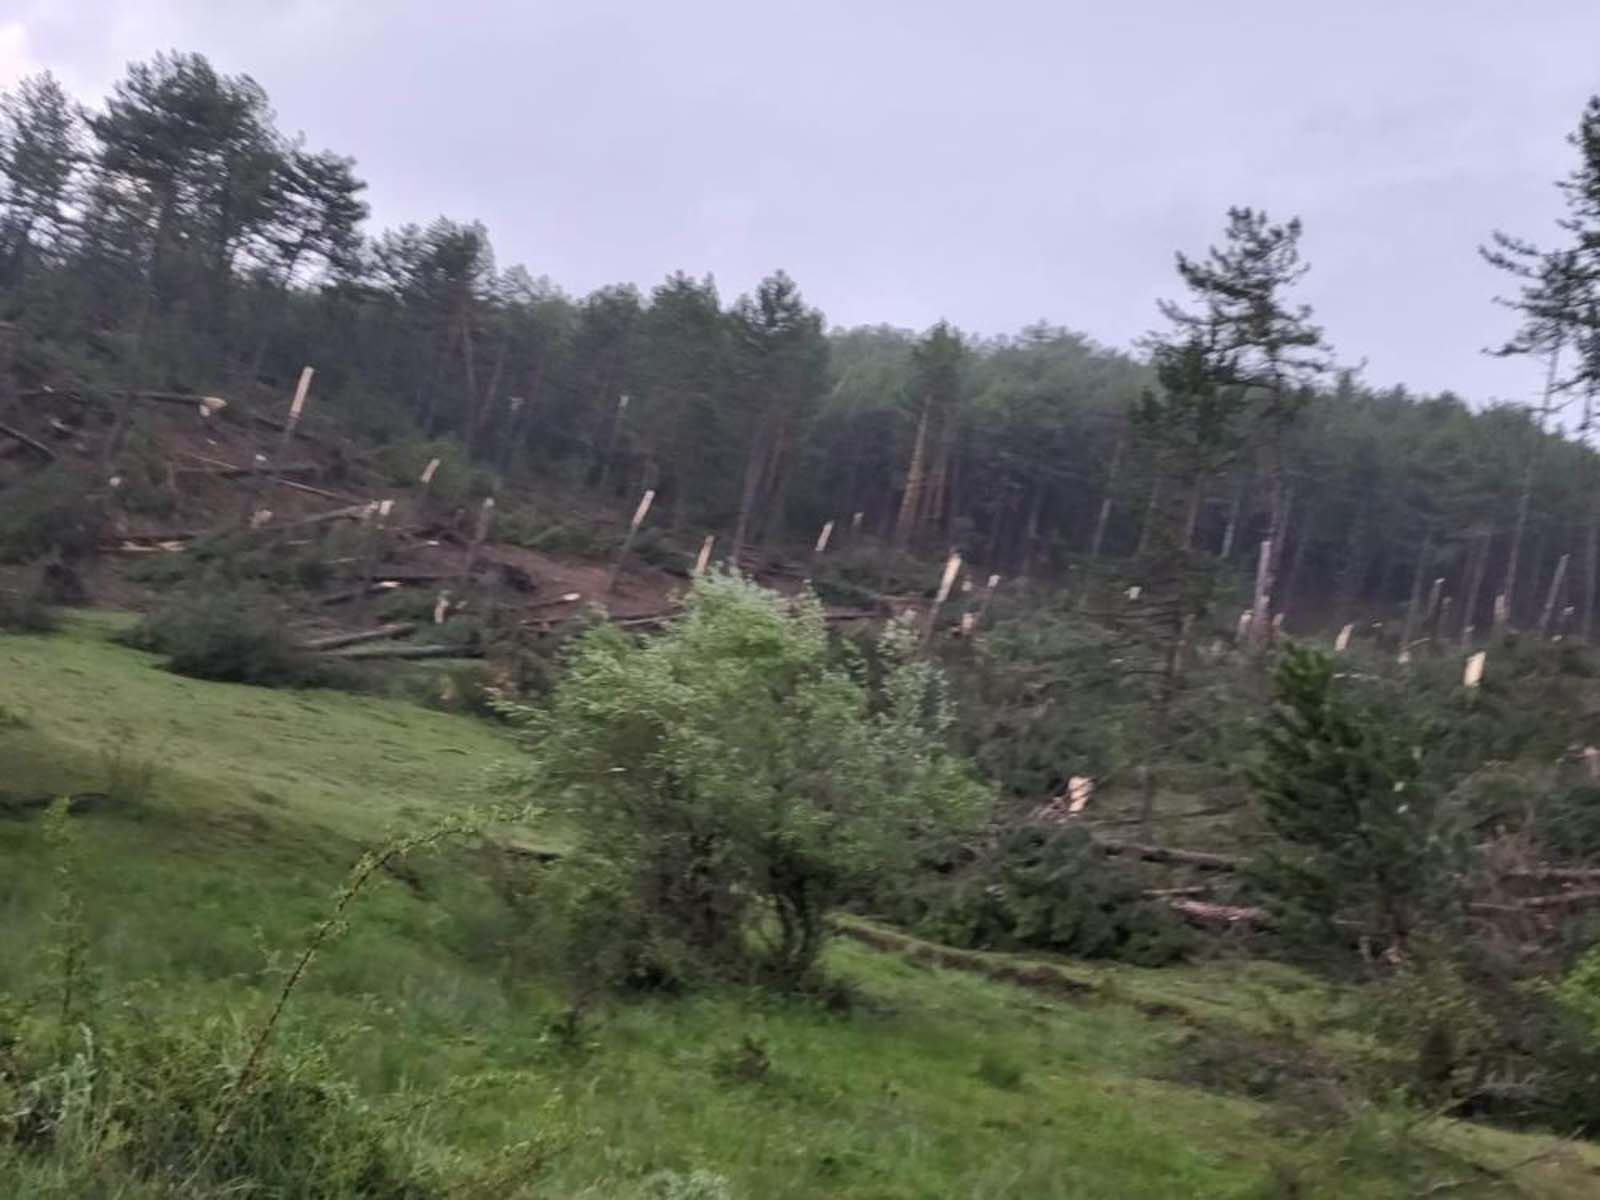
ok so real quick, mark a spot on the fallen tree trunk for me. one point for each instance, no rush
(1208, 915)
(1043, 977)
(33, 444)
(1587, 898)
(221, 470)
(371, 589)
(375, 653)
(351, 512)
(1554, 874)
(383, 633)
(182, 399)
(1164, 854)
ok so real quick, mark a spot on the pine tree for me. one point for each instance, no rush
(1342, 787)
(1246, 314)
(1191, 426)
(780, 362)
(39, 153)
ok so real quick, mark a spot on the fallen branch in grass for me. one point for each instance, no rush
(1043, 977)
(1553, 874)
(1164, 854)
(1210, 916)
(33, 444)
(1585, 898)
(377, 653)
(383, 633)
(371, 589)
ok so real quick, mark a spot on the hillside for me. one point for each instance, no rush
(233, 812)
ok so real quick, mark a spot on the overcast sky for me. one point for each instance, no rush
(908, 160)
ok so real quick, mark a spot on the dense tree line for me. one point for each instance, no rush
(173, 237)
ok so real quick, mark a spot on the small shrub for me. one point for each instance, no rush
(470, 688)
(234, 637)
(161, 570)
(62, 583)
(128, 773)
(48, 512)
(1570, 821)
(25, 612)
(748, 1062)
(248, 557)
(1044, 888)
(455, 482)
(1000, 1071)
(653, 548)
(579, 539)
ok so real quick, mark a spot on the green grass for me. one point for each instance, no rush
(936, 1083)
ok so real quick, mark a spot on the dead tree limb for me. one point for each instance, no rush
(383, 633)
(375, 653)
(33, 444)
(1200, 912)
(1164, 854)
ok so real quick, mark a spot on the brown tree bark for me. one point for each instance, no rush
(1231, 529)
(1508, 587)
(1476, 571)
(1414, 606)
(1591, 572)
(1103, 518)
(911, 498)
(1553, 597)
(755, 465)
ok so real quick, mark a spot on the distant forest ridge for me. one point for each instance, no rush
(172, 237)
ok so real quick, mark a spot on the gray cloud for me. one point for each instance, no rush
(910, 160)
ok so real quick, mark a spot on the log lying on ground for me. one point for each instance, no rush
(221, 470)
(1043, 977)
(1554, 874)
(371, 589)
(1212, 916)
(351, 512)
(662, 616)
(1199, 859)
(33, 444)
(376, 653)
(1560, 901)
(381, 634)
(282, 476)
(78, 395)
(182, 399)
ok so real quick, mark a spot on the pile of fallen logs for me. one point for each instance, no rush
(1580, 887)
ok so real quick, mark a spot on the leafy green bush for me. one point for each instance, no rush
(48, 512)
(730, 783)
(1044, 888)
(231, 635)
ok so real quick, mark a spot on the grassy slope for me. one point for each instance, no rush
(938, 1084)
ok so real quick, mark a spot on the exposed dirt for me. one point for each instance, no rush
(206, 467)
